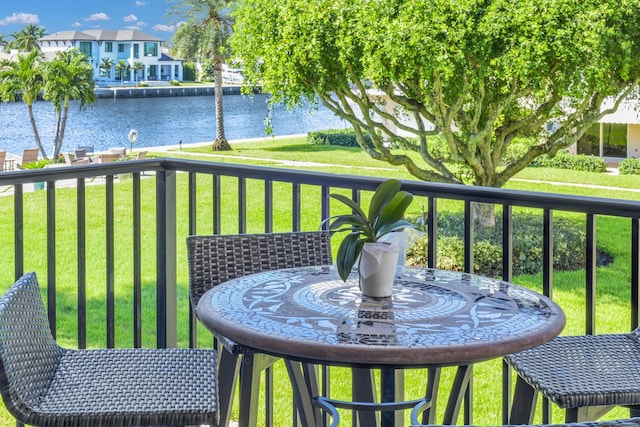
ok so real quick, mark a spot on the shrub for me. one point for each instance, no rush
(339, 137)
(578, 162)
(568, 246)
(516, 150)
(174, 83)
(630, 166)
(189, 71)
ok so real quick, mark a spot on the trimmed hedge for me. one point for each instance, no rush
(339, 137)
(568, 246)
(579, 162)
(630, 166)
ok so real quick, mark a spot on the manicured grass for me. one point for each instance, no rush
(613, 236)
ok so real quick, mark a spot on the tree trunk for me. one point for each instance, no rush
(484, 214)
(35, 131)
(221, 143)
(60, 131)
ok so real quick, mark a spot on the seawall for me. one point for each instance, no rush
(163, 91)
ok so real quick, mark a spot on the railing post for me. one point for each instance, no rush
(635, 271)
(51, 257)
(166, 305)
(18, 221)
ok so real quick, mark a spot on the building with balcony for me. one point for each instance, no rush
(112, 46)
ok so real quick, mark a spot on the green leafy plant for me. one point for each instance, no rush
(38, 164)
(386, 210)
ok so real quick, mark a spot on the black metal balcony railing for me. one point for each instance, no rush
(225, 192)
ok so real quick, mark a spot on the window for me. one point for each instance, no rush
(150, 49)
(85, 47)
(121, 48)
(108, 46)
(136, 50)
(153, 72)
(614, 140)
(589, 144)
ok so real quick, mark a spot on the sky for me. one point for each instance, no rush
(147, 16)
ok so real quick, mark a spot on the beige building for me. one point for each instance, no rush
(617, 135)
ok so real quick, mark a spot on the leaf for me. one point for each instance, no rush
(395, 209)
(388, 228)
(382, 196)
(351, 220)
(347, 254)
(347, 201)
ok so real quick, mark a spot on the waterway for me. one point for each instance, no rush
(159, 121)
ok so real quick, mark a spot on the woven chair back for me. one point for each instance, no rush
(216, 259)
(29, 354)
(29, 155)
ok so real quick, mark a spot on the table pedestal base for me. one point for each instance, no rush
(311, 405)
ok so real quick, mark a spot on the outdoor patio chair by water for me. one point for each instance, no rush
(74, 162)
(587, 375)
(215, 259)
(122, 152)
(45, 385)
(109, 157)
(28, 155)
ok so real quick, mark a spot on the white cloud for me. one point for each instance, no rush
(130, 18)
(163, 27)
(98, 17)
(20, 18)
(76, 24)
(140, 3)
(138, 26)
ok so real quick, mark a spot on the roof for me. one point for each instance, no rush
(67, 35)
(122, 35)
(101, 35)
(627, 113)
(165, 57)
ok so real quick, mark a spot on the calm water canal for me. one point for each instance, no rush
(159, 121)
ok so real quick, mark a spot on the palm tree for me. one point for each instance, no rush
(105, 65)
(26, 39)
(204, 34)
(24, 77)
(68, 76)
(123, 67)
(137, 66)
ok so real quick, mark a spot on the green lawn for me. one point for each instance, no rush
(613, 236)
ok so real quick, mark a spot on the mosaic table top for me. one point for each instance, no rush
(433, 318)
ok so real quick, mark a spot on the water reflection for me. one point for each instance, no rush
(159, 121)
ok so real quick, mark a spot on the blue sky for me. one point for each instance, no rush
(64, 15)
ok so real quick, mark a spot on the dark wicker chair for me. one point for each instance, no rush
(215, 259)
(631, 422)
(45, 385)
(587, 375)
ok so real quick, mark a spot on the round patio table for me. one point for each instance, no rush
(434, 318)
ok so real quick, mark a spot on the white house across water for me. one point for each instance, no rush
(130, 45)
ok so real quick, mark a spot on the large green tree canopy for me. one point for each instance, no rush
(480, 72)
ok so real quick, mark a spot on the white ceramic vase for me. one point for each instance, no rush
(377, 269)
